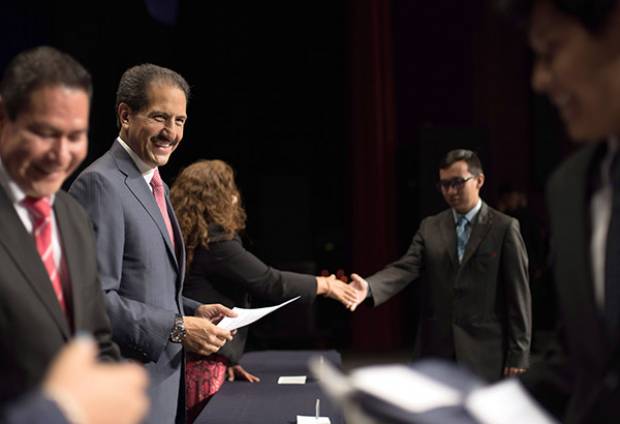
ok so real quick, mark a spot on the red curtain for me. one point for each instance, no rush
(373, 148)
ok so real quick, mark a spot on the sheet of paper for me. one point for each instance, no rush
(505, 403)
(248, 316)
(404, 387)
(312, 420)
(292, 379)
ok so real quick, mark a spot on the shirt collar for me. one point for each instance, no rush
(13, 190)
(145, 169)
(469, 215)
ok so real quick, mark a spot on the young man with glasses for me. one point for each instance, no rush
(472, 264)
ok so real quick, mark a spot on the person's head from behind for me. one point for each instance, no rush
(577, 65)
(44, 109)
(151, 107)
(203, 194)
(460, 179)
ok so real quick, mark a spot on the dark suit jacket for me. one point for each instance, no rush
(34, 408)
(226, 273)
(477, 312)
(141, 274)
(32, 325)
(579, 380)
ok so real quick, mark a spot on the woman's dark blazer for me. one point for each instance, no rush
(226, 273)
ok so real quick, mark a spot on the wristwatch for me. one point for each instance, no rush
(178, 330)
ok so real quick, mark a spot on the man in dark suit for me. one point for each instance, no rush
(141, 256)
(49, 286)
(472, 265)
(577, 48)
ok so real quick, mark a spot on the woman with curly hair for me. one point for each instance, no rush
(208, 206)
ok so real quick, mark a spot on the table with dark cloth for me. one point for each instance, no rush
(241, 402)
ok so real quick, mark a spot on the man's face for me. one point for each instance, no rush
(155, 131)
(47, 141)
(464, 196)
(578, 70)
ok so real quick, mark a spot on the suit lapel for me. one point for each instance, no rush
(140, 190)
(448, 234)
(178, 236)
(20, 247)
(71, 256)
(480, 228)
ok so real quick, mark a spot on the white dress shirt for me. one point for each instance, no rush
(600, 217)
(145, 169)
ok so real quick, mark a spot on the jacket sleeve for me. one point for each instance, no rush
(397, 275)
(32, 408)
(236, 265)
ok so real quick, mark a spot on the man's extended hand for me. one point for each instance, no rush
(202, 335)
(335, 289)
(361, 290)
(239, 371)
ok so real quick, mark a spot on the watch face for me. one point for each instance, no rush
(178, 331)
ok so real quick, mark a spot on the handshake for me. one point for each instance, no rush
(337, 287)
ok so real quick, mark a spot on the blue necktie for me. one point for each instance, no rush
(461, 235)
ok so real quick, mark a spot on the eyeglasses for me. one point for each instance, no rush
(455, 183)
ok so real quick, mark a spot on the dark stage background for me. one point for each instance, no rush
(334, 114)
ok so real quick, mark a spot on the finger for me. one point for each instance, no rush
(231, 374)
(351, 297)
(81, 351)
(208, 349)
(353, 307)
(220, 334)
(250, 377)
(226, 311)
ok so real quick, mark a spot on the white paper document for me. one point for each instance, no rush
(248, 316)
(312, 420)
(396, 384)
(505, 403)
(292, 379)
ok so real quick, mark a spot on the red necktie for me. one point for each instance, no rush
(158, 191)
(41, 212)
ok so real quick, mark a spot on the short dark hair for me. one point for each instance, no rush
(592, 14)
(36, 68)
(132, 88)
(468, 156)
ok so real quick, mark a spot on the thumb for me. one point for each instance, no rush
(226, 311)
(81, 351)
(355, 277)
(80, 354)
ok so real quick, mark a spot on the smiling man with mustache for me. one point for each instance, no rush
(140, 248)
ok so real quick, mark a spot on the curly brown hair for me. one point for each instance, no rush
(205, 193)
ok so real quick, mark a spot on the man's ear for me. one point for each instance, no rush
(124, 114)
(480, 181)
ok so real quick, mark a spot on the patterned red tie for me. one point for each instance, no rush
(158, 191)
(41, 213)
